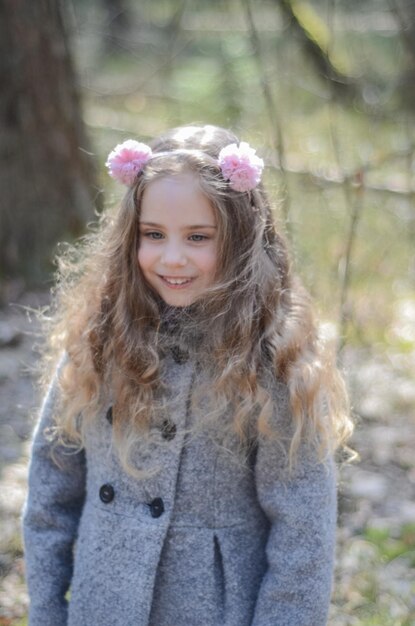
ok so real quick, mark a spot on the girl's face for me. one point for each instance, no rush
(178, 239)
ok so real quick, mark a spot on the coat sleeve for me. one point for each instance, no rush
(50, 520)
(301, 510)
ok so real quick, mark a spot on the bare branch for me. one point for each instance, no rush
(405, 30)
(343, 86)
(277, 138)
(353, 177)
(356, 205)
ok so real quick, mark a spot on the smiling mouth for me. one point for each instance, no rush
(176, 282)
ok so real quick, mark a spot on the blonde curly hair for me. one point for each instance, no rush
(256, 318)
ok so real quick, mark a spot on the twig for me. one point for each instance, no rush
(404, 26)
(352, 177)
(277, 138)
(356, 212)
(342, 86)
(139, 85)
(355, 208)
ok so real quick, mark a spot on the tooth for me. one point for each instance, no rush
(177, 281)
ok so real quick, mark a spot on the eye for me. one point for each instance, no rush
(153, 234)
(197, 237)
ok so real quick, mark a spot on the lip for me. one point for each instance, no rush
(166, 281)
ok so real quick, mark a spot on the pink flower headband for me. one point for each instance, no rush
(239, 164)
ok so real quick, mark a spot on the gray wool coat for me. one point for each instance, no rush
(205, 541)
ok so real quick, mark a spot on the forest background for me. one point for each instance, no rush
(325, 91)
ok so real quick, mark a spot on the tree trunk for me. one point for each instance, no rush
(46, 173)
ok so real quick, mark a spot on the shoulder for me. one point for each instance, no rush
(277, 393)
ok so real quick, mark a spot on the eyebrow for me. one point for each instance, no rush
(190, 227)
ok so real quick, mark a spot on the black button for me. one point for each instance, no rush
(179, 356)
(109, 415)
(106, 493)
(168, 430)
(156, 507)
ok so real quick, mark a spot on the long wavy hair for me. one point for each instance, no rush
(255, 321)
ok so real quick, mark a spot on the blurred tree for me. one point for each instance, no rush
(313, 35)
(46, 173)
(119, 24)
(171, 34)
(404, 14)
(229, 85)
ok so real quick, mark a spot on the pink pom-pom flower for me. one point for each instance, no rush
(127, 160)
(241, 166)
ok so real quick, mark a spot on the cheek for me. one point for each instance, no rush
(209, 262)
(144, 257)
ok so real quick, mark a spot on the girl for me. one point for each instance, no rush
(181, 472)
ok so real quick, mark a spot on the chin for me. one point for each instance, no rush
(177, 299)
(179, 302)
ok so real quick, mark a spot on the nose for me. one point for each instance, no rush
(173, 255)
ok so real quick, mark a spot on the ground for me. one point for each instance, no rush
(375, 572)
